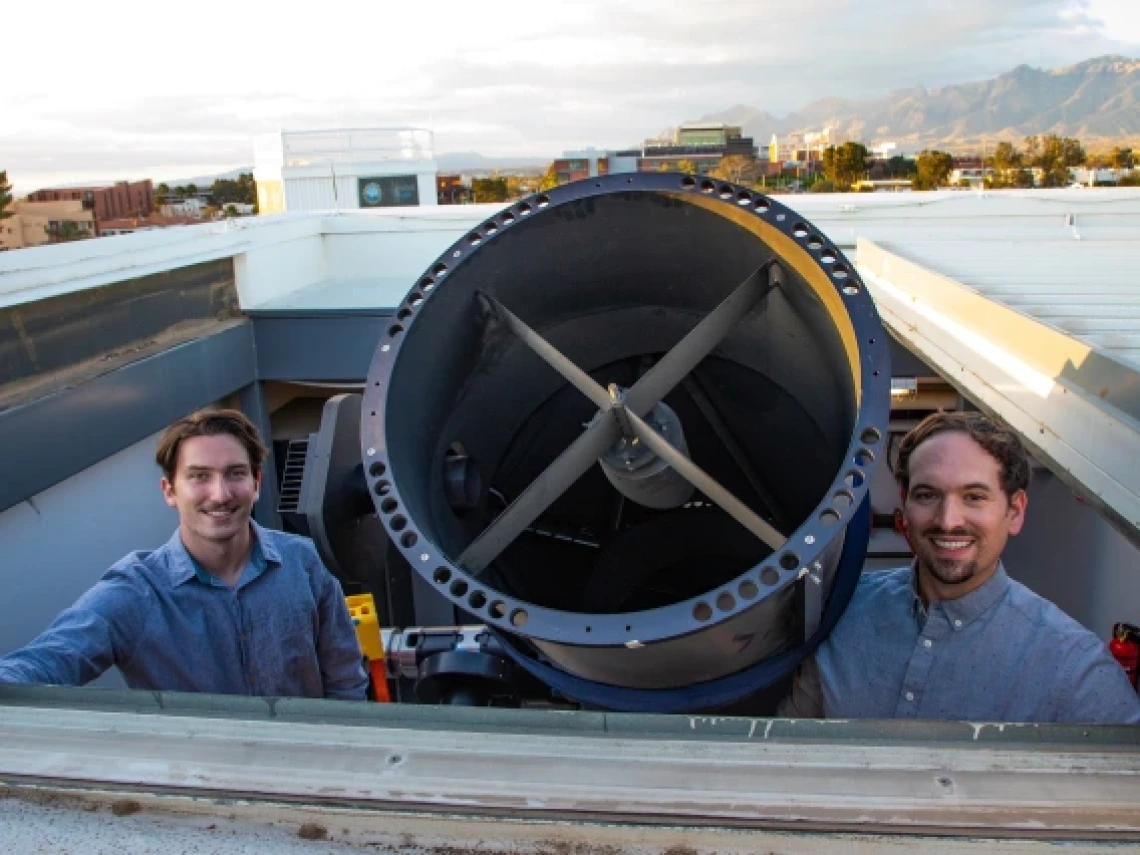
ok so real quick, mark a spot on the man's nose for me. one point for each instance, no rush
(949, 515)
(219, 489)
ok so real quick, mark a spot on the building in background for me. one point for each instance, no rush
(39, 223)
(105, 201)
(344, 169)
(585, 163)
(803, 148)
(191, 206)
(697, 147)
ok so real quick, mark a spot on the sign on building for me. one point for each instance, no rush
(388, 191)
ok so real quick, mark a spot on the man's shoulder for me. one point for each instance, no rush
(295, 554)
(289, 548)
(881, 597)
(138, 568)
(1046, 622)
(880, 585)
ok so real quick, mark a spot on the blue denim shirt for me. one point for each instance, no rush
(1001, 653)
(282, 631)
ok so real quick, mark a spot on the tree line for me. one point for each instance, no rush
(1009, 166)
(222, 193)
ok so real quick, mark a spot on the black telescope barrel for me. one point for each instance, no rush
(681, 329)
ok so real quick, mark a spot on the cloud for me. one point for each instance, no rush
(126, 92)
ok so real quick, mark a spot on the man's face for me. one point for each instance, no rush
(214, 487)
(957, 516)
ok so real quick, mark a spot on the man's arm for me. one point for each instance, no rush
(806, 697)
(337, 647)
(1095, 690)
(83, 641)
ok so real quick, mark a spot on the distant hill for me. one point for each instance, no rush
(1098, 99)
(470, 161)
(204, 181)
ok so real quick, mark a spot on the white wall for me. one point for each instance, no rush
(1069, 554)
(57, 544)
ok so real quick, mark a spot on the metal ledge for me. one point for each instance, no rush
(1029, 781)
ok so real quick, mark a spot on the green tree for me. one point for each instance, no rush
(1122, 158)
(687, 166)
(823, 185)
(5, 195)
(933, 169)
(489, 189)
(845, 165)
(900, 167)
(243, 190)
(191, 189)
(161, 193)
(230, 210)
(1008, 165)
(1054, 155)
(69, 230)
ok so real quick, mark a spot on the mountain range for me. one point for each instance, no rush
(1096, 100)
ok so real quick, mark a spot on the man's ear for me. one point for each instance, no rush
(1018, 503)
(168, 492)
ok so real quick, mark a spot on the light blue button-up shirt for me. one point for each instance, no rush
(1001, 653)
(282, 631)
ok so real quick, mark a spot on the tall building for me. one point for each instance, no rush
(105, 201)
(699, 146)
(344, 169)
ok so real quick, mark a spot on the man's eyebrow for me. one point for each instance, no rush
(978, 485)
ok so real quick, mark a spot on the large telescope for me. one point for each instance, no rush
(628, 425)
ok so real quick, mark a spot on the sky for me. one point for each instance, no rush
(127, 89)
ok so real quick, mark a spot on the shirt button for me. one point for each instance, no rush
(910, 696)
(927, 643)
(957, 624)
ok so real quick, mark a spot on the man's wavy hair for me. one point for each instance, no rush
(210, 423)
(1002, 444)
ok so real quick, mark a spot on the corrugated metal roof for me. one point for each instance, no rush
(1068, 258)
(1088, 289)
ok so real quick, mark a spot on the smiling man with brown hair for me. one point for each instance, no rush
(952, 636)
(226, 606)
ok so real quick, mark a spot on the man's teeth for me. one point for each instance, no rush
(951, 544)
(218, 513)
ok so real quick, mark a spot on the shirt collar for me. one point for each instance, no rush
(965, 610)
(183, 567)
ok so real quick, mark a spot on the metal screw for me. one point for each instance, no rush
(385, 347)
(424, 556)
(372, 452)
(810, 539)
